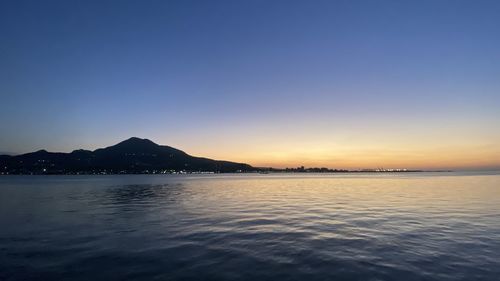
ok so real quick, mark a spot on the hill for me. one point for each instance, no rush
(134, 155)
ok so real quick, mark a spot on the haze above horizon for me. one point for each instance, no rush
(339, 84)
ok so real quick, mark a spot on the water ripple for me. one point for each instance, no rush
(251, 227)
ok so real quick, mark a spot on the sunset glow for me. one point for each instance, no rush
(335, 84)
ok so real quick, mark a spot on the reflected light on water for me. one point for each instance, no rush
(441, 226)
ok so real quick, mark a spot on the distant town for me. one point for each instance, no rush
(303, 169)
(181, 172)
(261, 170)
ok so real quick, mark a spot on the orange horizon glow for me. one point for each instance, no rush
(459, 155)
(366, 159)
(455, 146)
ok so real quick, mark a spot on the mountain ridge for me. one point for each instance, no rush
(131, 156)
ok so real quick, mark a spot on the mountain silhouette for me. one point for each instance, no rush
(134, 155)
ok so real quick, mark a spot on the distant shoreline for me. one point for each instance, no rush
(142, 156)
(226, 173)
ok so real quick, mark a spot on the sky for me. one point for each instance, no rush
(340, 84)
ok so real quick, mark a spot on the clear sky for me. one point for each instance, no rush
(341, 84)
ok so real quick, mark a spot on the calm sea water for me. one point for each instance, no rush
(421, 226)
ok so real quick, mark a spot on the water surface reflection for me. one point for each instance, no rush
(247, 227)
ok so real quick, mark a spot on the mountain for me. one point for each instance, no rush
(134, 155)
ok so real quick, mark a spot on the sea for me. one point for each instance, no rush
(297, 226)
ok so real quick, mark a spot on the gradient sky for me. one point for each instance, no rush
(341, 84)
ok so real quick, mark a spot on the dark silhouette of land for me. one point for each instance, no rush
(139, 156)
(131, 156)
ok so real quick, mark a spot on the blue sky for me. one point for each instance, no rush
(332, 83)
